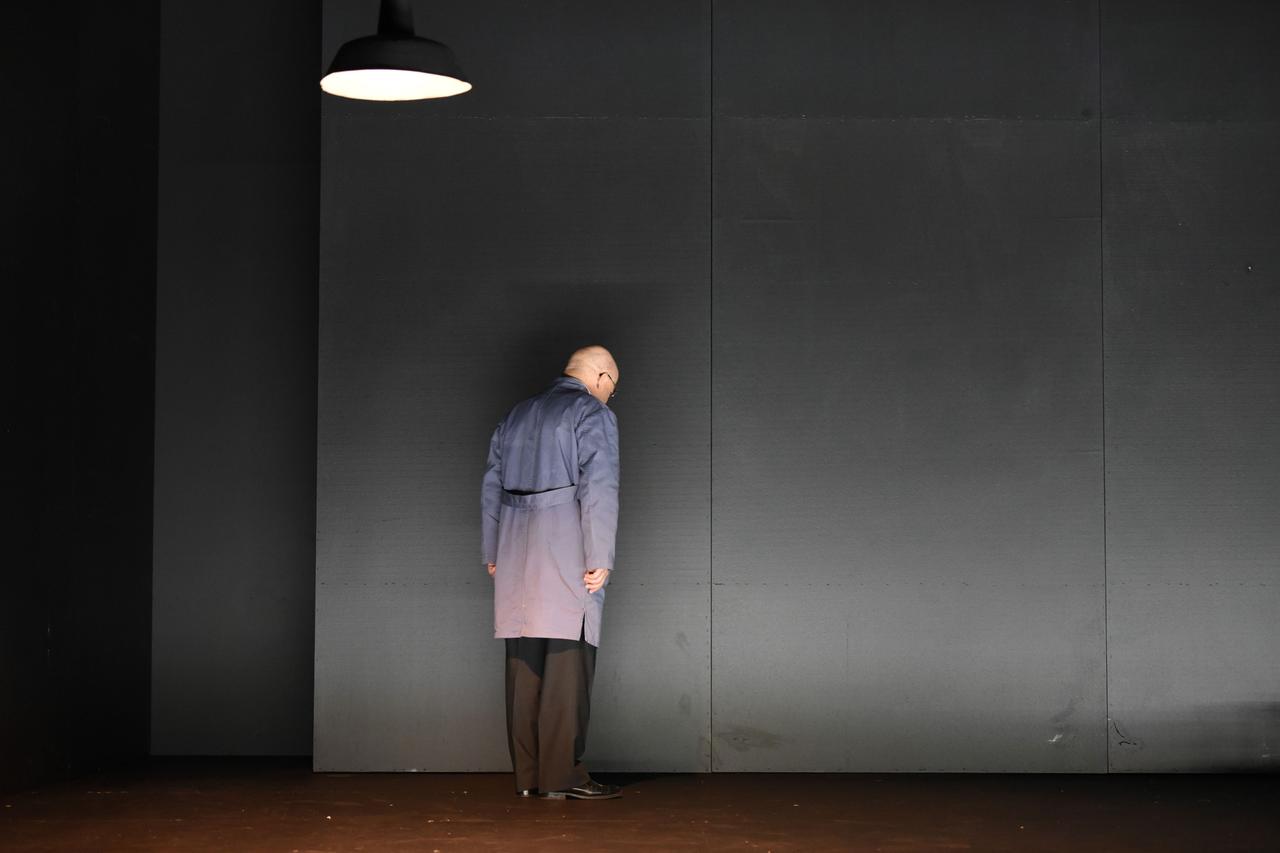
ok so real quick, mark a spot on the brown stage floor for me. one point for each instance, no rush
(281, 805)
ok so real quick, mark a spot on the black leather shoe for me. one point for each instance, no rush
(591, 790)
(526, 792)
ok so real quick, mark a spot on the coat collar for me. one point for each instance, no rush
(571, 381)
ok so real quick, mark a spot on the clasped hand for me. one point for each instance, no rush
(594, 579)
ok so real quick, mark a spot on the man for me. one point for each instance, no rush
(549, 502)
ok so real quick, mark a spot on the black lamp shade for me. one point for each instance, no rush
(395, 64)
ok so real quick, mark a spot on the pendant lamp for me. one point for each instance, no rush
(394, 65)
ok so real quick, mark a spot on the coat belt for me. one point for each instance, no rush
(537, 500)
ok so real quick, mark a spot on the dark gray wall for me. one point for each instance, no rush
(907, 398)
(467, 247)
(78, 267)
(235, 379)
(948, 343)
(1191, 196)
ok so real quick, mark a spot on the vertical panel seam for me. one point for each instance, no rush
(711, 408)
(1102, 343)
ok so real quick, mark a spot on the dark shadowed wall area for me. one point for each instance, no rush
(948, 340)
(235, 379)
(78, 270)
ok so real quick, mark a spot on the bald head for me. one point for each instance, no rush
(587, 363)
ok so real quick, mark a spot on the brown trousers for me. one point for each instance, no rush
(548, 707)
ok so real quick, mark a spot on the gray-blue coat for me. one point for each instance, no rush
(549, 512)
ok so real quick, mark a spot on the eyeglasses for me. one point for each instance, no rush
(611, 379)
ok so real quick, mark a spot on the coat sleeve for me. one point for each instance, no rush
(491, 498)
(598, 474)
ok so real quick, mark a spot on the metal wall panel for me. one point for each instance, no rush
(468, 247)
(1194, 60)
(1192, 209)
(907, 502)
(841, 58)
